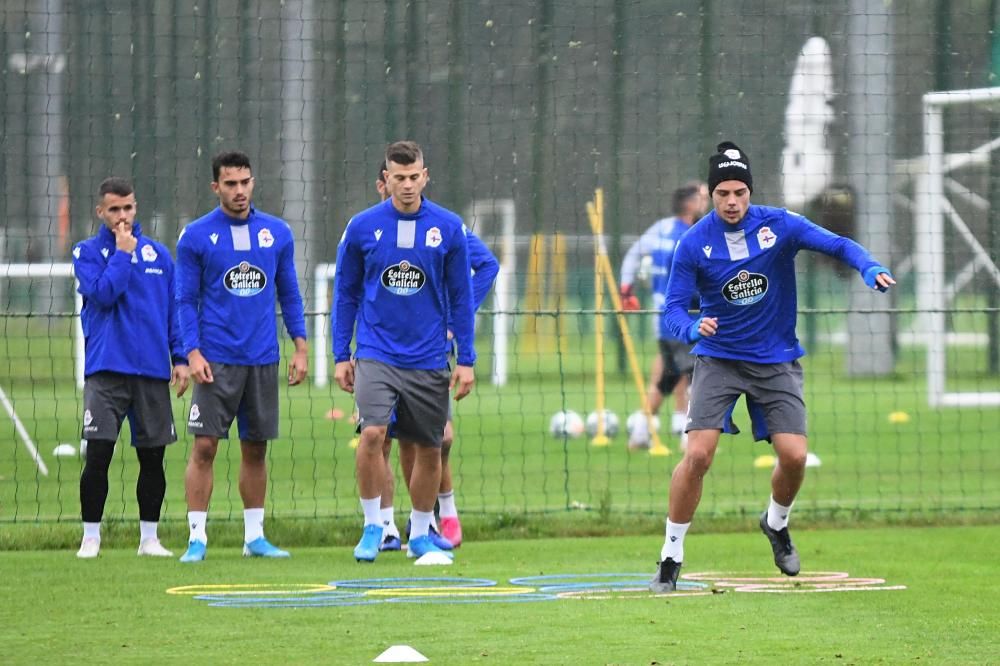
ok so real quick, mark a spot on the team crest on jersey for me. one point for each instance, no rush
(766, 238)
(104, 252)
(148, 253)
(264, 238)
(433, 238)
(403, 279)
(244, 279)
(745, 289)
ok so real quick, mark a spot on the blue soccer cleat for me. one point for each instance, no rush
(438, 540)
(420, 546)
(368, 547)
(391, 542)
(261, 547)
(195, 552)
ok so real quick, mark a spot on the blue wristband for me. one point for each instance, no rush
(871, 273)
(693, 334)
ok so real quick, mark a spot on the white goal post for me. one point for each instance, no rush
(32, 271)
(55, 270)
(933, 290)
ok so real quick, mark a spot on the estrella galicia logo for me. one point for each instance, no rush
(403, 279)
(245, 279)
(745, 289)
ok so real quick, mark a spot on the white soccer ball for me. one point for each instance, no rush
(611, 425)
(566, 423)
(637, 426)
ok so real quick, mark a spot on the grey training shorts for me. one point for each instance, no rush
(110, 397)
(248, 393)
(419, 399)
(773, 393)
(677, 362)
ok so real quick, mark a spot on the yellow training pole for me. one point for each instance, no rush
(597, 224)
(657, 448)
(532, 296)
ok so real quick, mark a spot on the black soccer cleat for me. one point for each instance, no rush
(665, 579)
(785, 555)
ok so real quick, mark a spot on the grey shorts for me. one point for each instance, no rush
(418, 399)
(677, 362)
(248, 393)
(110, 397)
(774, 396)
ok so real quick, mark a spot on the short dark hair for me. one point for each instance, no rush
(114, 185)
(381, 172)
(232, 158)
(683, 193)
(403, 152)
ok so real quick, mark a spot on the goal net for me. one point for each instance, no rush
(956, 241)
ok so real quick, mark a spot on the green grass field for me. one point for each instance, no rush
(116, 609)
(937, 461)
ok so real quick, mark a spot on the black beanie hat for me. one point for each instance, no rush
(729, 163)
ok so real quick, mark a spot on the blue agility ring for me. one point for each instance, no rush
(558, 583)
(410, 583)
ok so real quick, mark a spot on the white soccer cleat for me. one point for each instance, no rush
(89, 548)
(153, 548)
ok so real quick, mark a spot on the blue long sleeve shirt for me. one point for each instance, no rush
(229, 274)
(399, 278)
(745, 276)
(484, 268)
(658, 242)
(129, 317)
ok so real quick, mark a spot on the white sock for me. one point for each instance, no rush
(677, 422)
(673, 545)
(373, 510)
(446, 502)
(388, 515)
(196, 521)
(253, 524)
(147, 530)
(420, 523)
(92, 531)
(777, 515)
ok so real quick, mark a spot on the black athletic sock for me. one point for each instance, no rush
(152, 483)
(94, 479)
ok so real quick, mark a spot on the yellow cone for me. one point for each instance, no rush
(764, 461)
(899, 417)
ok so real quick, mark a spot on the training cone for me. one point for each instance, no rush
(899, 417)
(812, 460)
(398, 654)
(764, 461)
(433, 558)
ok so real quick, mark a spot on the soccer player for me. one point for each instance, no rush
(671, 371)
(132, 350)
(484, 271)
(402, 269)
(741, 261)
(232, 265)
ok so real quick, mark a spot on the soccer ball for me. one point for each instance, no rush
(637, 426)
(566, 424)
(611, 424)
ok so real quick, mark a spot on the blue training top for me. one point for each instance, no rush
(658, 243)
(400, 277)
(745, 276)
(229, 273)
(129, 317)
